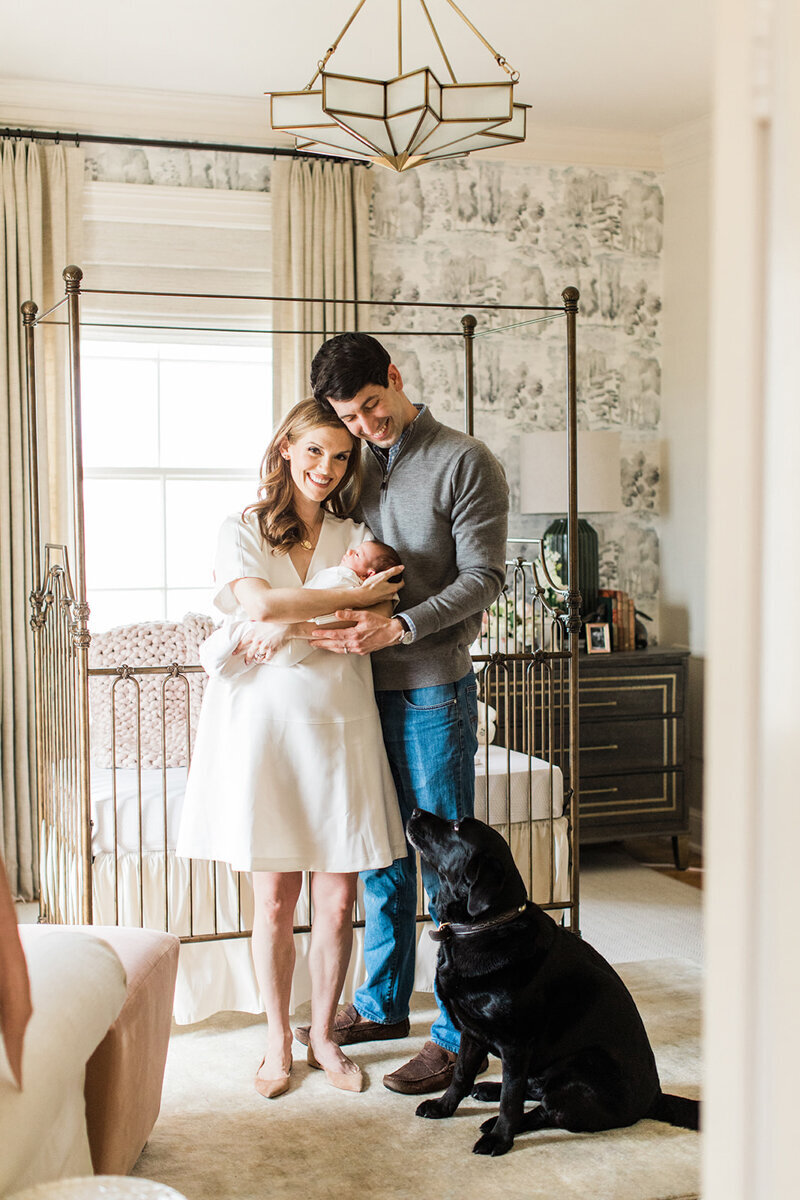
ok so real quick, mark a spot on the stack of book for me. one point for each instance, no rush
(618, 610)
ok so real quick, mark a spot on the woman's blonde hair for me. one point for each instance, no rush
(274, 510)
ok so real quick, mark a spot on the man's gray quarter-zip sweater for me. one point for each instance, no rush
(443, 505)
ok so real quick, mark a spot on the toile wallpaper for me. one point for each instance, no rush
(489, 232)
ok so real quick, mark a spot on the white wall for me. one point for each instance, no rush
(752, 1035)
(684, 424)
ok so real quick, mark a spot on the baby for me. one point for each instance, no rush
(357, 564)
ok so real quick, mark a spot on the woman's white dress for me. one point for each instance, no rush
(289, 770)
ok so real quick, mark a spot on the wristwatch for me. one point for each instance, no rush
(408, 636)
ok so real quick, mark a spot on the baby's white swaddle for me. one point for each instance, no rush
(217, 656)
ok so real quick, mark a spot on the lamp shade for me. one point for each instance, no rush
(544, 489)
(543, 472)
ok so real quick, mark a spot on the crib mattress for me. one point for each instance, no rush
(504, 782)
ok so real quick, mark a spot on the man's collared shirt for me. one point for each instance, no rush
(386, 457)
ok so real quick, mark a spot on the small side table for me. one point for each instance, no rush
(100, 1187)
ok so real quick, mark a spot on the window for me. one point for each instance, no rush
(173, 434)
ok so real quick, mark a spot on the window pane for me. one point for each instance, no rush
(109, 609)
(120, 412)
(94, 344)
(241, 349)
(195, 511)
(181, 601)
(124, 533)
(215, 414)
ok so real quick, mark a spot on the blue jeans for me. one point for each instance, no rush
(430, 736)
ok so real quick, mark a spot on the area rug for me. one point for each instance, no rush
(629, 912)
(216, 1139)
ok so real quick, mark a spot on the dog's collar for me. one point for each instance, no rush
(453, 928)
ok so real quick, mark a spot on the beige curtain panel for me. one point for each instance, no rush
(320, 249)
(41, 213)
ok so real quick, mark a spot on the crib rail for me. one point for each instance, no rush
(61, 744)
(522, 664)
(109, 794)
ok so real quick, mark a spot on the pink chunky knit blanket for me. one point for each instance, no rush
(152, 643)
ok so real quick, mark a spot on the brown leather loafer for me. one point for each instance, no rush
(350, 1028)
(429, 1071)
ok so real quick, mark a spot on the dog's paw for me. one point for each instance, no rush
(487, 1092)
(433, 1109)
(492, 1143)
(489, 1125)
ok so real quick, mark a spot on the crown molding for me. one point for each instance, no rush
(687, 143)
(575, 145)
(122, 112)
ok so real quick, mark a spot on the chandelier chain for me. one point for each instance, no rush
(499, 58)
(330, 50)
(438, 41)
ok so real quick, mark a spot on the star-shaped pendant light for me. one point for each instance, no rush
(401, 122)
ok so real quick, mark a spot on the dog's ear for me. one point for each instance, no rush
(484, 876)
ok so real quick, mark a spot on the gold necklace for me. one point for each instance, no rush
(306, 543)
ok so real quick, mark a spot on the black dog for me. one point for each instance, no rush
(549, 1006)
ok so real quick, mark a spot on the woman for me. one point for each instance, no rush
(289, 772)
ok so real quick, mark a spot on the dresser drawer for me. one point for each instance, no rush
(646, 744)
(613, 693)
(643, 693)
(643, 799)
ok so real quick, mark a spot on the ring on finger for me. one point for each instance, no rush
(346, 650)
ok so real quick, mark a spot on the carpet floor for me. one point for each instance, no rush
(629, 912)
(216, 1139)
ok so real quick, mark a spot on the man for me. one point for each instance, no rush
(441, 499)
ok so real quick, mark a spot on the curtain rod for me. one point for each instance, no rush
(49, 135)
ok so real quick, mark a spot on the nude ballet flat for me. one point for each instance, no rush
(270, 1088)
(346, 1081)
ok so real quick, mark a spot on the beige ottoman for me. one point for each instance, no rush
(125, 1074)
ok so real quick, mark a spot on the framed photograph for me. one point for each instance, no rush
(598, 638)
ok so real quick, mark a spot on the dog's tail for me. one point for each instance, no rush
(676, 1110)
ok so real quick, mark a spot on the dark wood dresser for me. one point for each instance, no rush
(632, 713)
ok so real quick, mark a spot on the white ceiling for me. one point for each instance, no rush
(631, 65)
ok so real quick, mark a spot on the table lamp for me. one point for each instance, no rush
(543, 489)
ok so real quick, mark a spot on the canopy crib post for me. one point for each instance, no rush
(80, 632)
(468, 323)
(570, 297)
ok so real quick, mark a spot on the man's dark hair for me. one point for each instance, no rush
(347, 363)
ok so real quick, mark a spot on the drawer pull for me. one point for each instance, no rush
(597, 704)
(599, 748)
(599, 791)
